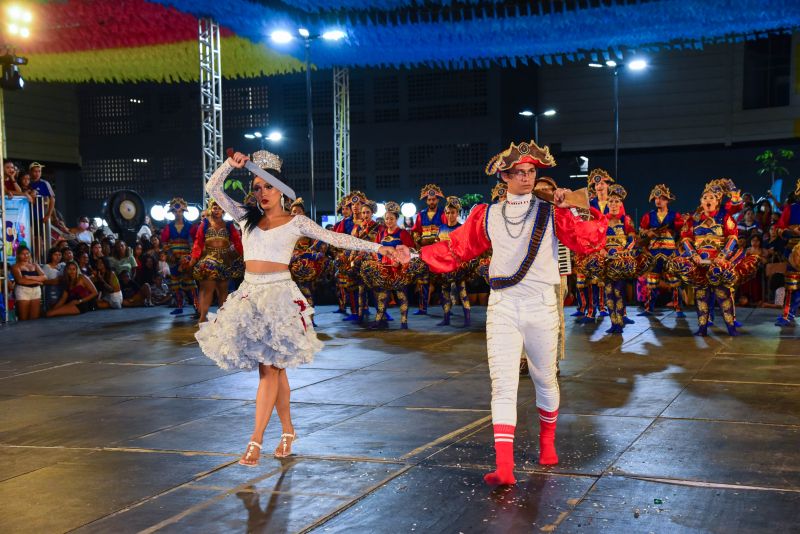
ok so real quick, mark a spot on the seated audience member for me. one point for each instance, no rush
(163, 266)
(146, 272)
(138, 253)
(82, 232)
(155, 246)
(159, 291)
(105, 246)
(79, 293)
(122, 258)
(95, 253)
(108, 285)
(748, 225)
(52, 270)
(777, 291)
(84, 265)
(67, 255)
(133, 295)
(28, 281)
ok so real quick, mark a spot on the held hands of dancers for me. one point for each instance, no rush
(402, 254)
(388, 251)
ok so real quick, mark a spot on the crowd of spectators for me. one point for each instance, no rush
(760, 235)
(79, 277)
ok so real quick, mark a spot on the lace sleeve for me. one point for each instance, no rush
(215, 187)
(309, 228)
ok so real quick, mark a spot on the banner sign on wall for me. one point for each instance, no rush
(18, 226)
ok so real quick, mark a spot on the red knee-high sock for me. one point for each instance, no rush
(504, 449)
(547, 437)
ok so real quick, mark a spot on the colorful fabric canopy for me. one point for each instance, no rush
(468, 33)
(139, 40)
(132, 41)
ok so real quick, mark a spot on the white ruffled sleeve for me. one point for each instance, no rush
(310, 229)
(215, 187)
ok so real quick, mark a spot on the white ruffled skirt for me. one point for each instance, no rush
(267, 320)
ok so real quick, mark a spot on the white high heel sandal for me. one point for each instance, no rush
(248, 453)
(285, 446)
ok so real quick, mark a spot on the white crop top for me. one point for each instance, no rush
(277, 244)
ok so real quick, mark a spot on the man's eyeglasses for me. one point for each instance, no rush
(521, 173)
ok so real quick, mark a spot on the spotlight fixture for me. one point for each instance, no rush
(11, 78)
(408, 209)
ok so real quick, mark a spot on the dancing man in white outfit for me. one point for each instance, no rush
(523, 233)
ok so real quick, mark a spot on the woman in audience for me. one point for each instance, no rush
(155, 246)
(84, 265)
(122, 258)
(107, 283)
(79, 293)
(138, 254)
(95, 253)
(28, 278)
(52, 270)
(25, 188)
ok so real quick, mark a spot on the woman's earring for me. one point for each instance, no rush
(283, 202)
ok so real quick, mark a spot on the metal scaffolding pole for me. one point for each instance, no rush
(341, 135)
(210, 98)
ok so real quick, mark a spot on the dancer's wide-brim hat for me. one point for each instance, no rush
(516, 154)
(661, 190)
(596, 176)
(616, 190)
(393, 207)
(431, 191)
(499, 190)
(176, 204)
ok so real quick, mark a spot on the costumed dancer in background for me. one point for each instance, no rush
(425, 232)
(710, 261)
(308, 259)
(662, 228)
(367, 229)
(730, 204)
(345, 277)
(265, 324)
(589, 287)
(216, 257)
(454, 284)
(176, 242)
(789, 228)
(385, 275)
(523, 306)
(344, 210)
(619, 264)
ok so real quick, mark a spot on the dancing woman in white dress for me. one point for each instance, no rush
(266, 323)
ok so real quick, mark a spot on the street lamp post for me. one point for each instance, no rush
(310, 122)
(283, 37)
(529, 113)
(636, 64)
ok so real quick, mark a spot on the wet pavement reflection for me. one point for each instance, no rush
(115, 422)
